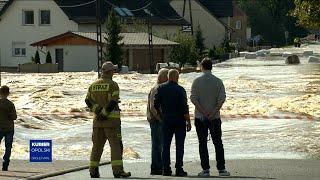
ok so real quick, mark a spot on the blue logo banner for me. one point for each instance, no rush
(40, 150)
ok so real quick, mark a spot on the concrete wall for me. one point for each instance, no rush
(165, 30)
(38, 68)
(77, 58)
(13, 30)
(91, 27)
(88, 27)
(213, 30)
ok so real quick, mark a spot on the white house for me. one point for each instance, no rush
(23, 22)
(213, 16)
(76, 51)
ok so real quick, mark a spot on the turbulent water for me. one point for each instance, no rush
(51, 106)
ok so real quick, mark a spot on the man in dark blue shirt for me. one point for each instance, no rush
(171, 104)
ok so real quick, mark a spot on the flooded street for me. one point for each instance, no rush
(51, 106)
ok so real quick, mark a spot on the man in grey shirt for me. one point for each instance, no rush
(208, 95)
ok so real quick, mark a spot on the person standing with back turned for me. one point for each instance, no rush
(103, 99)
(208, 95)
(171, 104)
(7, 115)
(155, 125)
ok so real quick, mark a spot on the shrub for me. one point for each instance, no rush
(37, 58)
(48, 58)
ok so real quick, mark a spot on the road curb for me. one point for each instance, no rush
(57, 173)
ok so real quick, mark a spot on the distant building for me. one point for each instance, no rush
(213, 16)
(76, 51)
(23, 22)
(240, 29)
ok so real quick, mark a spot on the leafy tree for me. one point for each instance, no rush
(219, 52)
(211, 52)
(308, 13)
(48, 58)
(37, 58)
(114, 51)
(270, 19)
(199, 41)
(185, 51)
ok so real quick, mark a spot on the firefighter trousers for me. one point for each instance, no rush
(99, 138)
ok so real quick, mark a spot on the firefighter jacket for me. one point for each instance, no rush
(100, 94)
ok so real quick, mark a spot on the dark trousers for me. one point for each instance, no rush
(156, 139)
(215, 130)
(8, 138)
(170, 128)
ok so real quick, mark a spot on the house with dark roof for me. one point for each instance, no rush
(23, 22)
(213, 16)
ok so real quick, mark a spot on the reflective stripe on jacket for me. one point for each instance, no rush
(100, 93)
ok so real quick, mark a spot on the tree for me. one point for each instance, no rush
(37, 58)
(308, 13)
(270, 19)
(48, 58)
(199, 41)
(114, 51)
(185, 51)
(211, 52)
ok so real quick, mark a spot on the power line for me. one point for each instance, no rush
(78, 5)
(170, 19)
(110, 3)
(142, 8)
(133, 10)
(115, 6)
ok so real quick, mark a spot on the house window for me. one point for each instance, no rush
(44, 17)
(28, 17)
(238, 24)
(19, 49)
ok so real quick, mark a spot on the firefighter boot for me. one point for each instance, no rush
(122, 175)
(94, 172)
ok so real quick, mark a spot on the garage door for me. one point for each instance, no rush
(141, 61)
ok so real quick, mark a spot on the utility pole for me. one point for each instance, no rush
(0, 67)
(190, 13)
(184, 8)
(150, 40)
(99, 35)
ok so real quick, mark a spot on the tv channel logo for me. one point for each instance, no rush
(40, 150)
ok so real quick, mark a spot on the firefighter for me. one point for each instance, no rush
(103, 99)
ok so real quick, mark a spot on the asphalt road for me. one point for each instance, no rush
(239, 169)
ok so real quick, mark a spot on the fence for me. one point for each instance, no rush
(38, 68)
